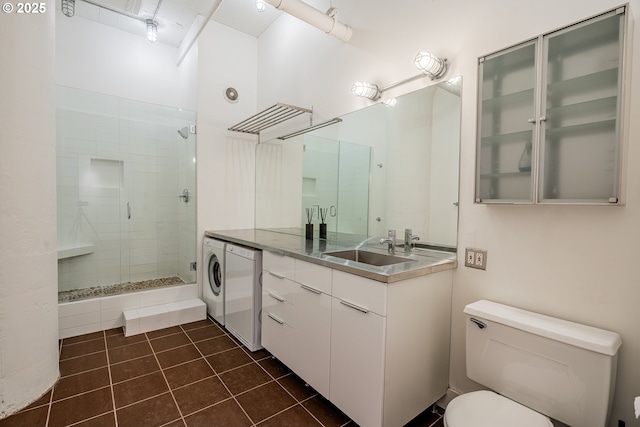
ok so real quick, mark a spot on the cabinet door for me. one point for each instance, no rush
(506, 117)
(357, 362)
(580, 129)
(312, 337)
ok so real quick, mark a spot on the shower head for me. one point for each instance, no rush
(184, 132)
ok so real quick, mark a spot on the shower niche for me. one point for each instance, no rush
(122, 166)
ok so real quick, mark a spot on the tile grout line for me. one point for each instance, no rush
(113, 397)
(46, 423)
(52, 401)
(216, 373)
(165, 379)
(294, 398)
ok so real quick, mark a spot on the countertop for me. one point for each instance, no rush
(291, 242)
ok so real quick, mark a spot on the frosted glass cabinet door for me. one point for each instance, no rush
(507, 92)
(581, 109)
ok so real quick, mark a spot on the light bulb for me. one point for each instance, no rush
(366, 90)
(69, 7)
(152, 31)
(431, 65)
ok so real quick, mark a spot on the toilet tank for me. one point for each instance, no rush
(562, 369)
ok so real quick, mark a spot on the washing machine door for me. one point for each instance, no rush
(214, 270)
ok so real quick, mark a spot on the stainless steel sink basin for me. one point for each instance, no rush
(366, 257)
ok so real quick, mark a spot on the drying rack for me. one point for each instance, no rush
(272, 116)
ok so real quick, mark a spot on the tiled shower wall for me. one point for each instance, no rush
(117, 157)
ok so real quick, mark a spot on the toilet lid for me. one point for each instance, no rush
(489, 409)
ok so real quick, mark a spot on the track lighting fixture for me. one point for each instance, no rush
(69, 7)
(152, 31)
(432, 66)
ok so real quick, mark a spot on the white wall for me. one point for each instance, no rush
(572, 262)
(28, 255)
(99, 58)
(226, 160)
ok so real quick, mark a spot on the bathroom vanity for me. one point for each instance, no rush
(372, 339)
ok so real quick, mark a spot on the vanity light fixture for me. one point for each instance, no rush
(152, 31)
(432, 66)
(261, 5)
(69, 7)
(366, 90)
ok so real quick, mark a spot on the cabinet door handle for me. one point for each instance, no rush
(543, 119)
(274, 296)
(309, 288)
(276, 275)
(275, 318)
(355, 307)
(532, 121)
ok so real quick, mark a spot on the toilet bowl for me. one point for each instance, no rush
(538, 368)
(489, 409)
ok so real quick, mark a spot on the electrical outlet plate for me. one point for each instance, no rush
(475, 258)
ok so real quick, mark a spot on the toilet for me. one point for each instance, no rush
(537, 367)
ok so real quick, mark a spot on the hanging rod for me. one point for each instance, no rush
(272, 116)
(311, 128)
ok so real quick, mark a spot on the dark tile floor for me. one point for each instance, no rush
(190, 375)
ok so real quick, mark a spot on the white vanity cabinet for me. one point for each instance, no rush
(378, 351)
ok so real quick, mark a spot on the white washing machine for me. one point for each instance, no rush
(213, 256)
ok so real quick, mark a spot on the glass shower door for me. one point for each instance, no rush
(126, 195)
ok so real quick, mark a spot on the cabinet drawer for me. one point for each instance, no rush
(278, 264)
(277, 338)
(313, 275)
(274, 305)
(364, 293)
(277, 286)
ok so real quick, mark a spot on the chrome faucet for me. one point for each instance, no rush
(409, 237)
(390, 241)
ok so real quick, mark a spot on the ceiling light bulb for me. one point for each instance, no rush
(366, 90)
(261, 5)
(391, 102)
(69, 7)
(431, 65)
(152, 31)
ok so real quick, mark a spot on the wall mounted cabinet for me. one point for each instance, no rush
(550, 117)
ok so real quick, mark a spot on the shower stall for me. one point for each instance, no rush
(126, 177)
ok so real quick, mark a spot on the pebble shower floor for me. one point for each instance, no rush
(117, 289)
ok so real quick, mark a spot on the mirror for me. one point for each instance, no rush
(381, 168)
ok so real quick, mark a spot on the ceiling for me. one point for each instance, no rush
(175, 17)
